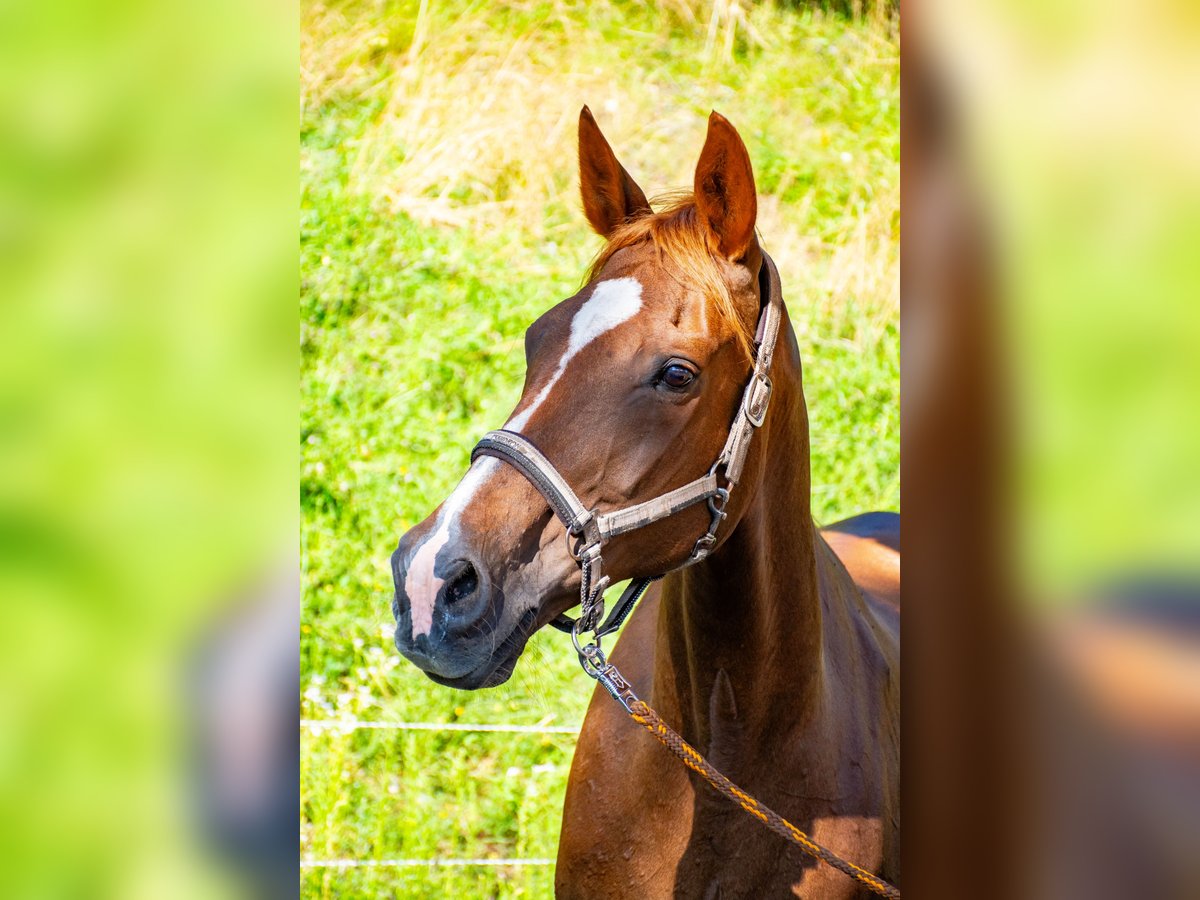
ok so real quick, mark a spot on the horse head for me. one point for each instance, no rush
(630, 389)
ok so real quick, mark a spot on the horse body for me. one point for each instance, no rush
(774, 663)
(773, 658)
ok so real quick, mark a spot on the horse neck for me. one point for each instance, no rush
(740, 641)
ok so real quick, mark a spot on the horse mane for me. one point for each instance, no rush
(681, 237)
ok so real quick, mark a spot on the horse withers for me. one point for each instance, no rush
(774, 655)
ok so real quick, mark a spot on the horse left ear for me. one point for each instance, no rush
(724, 190)
(610, 196)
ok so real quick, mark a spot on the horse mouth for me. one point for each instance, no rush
(499, 666)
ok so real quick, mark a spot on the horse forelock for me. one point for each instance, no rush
(682, 242)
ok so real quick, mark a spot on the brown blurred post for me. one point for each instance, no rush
(962, 799)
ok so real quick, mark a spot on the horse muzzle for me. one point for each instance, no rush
(443, 605)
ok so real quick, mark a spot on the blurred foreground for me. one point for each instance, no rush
(1052, 496)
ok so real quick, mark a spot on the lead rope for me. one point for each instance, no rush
(593, 661)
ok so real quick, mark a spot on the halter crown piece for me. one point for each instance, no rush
(590, 529)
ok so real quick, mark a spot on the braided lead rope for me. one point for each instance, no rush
(641, 713)
(597, 666)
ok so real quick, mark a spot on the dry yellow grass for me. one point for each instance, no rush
(473, 123)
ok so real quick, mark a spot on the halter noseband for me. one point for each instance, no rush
(591, 529)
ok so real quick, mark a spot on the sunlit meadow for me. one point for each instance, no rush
(439, 216)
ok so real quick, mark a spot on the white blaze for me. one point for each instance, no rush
(612, 302)
(420, 583)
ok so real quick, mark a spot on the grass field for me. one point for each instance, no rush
(439, 216)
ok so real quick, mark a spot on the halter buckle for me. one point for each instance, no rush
(593, 661)
(757, 398)
(576, 546)
(703, 547)
(708, 540)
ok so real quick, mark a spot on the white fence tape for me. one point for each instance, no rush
(417, 863)
(319, 725)
(345, 725)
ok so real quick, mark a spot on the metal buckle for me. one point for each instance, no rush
(591, 610)
(758, 397)
(706, 541)
(593, 661)
(580, 551)
(574, 549)
(703, 547)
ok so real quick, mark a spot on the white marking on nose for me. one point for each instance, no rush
(611, 303)
(421, 584)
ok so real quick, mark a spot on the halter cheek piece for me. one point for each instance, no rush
(590, 529)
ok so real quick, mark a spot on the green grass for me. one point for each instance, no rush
(438, 218)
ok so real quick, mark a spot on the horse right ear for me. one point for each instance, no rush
(724, 189)
(610, 196)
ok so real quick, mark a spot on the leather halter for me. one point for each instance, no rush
(591, 529)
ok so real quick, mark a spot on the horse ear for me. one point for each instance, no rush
(724, 189)
(610, 196)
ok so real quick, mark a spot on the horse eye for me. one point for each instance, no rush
(677, 376)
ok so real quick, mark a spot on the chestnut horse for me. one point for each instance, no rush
(776, 655)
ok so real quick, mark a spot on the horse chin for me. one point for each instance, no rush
(499, 666)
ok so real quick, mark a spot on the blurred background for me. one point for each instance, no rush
(1080, 136)
(440, 215)
(147, 420)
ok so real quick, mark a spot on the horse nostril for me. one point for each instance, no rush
(462, 585)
